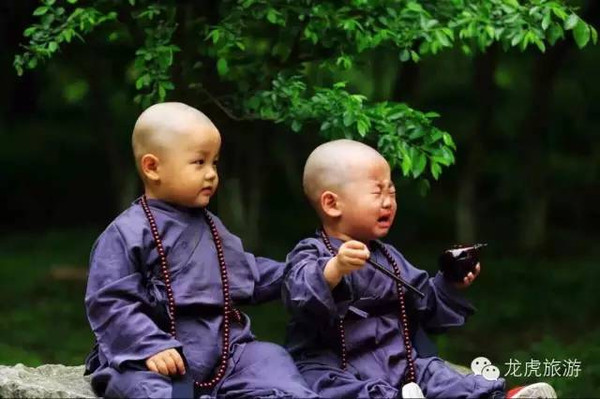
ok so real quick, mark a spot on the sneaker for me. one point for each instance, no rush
(537, 390)
(412, 391)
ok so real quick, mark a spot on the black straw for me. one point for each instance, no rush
(393, 276)
(388, 273)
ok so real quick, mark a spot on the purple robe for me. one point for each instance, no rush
(368, 301)
(126, 307)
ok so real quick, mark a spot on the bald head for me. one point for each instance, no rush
(162, 124)
(333, 164)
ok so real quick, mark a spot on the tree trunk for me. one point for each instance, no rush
(470, 157)
(533, 211)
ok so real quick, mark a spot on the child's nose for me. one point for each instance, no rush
(387, 201)
(211, 174)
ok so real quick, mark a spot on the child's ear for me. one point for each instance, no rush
(149, 165)
(330, 204)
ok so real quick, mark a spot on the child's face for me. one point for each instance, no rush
(188, 169)
(368, 201)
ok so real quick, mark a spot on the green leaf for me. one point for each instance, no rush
(348, 119)
(419, 164)
(414, 6)
(404, 55)
(554, 33)
(406, 164)
(442, 39)
(540, 44)
(222, 66)
(581, 33)
(517, 38)
(296, 126)
(32, 63)
(272, 16)
(546, 21)
(448, 140)
(75, 1)
(30, 31)
(52, 46)
(436, 169)
(571, 22)
(424, 187)
(139, 83)
(363, 127)
(214, 34)
(40, 11)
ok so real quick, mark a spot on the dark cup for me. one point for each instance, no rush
(458, 261)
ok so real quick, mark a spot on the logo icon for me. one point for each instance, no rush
(483, 366)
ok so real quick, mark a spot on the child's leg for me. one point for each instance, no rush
(438, 380)
(135, 384)
(263, 369)
(329, 381)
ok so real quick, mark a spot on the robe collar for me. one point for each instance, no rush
(336, 242)
(170, 208)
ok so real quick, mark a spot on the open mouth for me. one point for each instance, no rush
(384, 219)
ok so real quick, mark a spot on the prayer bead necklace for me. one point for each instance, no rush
(403, 316)
(227, 309)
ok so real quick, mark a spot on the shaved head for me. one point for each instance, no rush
(333, 164)
(162, 124)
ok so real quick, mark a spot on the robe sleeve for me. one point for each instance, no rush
(268, 278)
(266, 274)
(305, 291)
(443, 305)
(118, 306)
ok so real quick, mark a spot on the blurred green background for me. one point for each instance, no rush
(526, 181)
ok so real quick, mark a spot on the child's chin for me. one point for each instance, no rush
(202, 204)
(381, 232)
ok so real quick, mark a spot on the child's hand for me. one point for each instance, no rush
(167, 362)
(351, 256)
(469, 278)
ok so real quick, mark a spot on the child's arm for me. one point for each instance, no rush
(312, 292)
(443, 305)
(118, 305)
(351, 256)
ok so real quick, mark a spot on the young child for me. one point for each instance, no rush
(353, 328)
(165, 276)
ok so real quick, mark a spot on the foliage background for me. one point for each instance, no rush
(525, 177)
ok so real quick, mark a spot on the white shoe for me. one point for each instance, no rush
(537, 390)
(412, 391)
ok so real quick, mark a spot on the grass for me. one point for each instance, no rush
(527, 310)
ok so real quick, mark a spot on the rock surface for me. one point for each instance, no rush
(47, 381)
(58, 381)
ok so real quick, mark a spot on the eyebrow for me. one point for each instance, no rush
(381, 185)
(206, 153)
